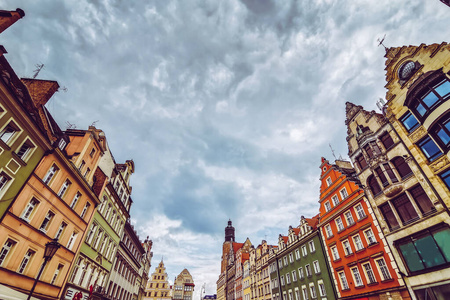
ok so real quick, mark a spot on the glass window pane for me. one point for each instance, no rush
(430, 99)
(443, 89)
(421, 109)
(445, 138)
(411, 257)
(429, 148)
(409, 121)
(446, 178)
(429, 252)
(442, 237)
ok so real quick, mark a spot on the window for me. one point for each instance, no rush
(24, 150)
(349, 218)
(297, 294)
(327, 206)
(305, 293)
(3, 180)
(369, 273)
(360, 211)
(384, 271)
(50, 174)
(347, 247)
(280, 263)
(8, 132)
(300, 273)
(288, 278)
(312, 288)
(285, 260)
(64, 188)
(91, 233)
(368, 151)
(361, 162)
(343, 279)
(344, 193)
(91, 154)
(335, 253)
(405, 209)
(441, 132)
(85, 209)
(426, 249)
(5, 250)
(297, 254)
(370, 237)
(390, 173)
(422, 200)
(62, 143)
(308, 270)
(291, 257)
(358, 243)
(328, 231)
(329, 182)
(339, 224)
(402, 167)
(86, 174)
(335, 200)
(72, 240)
(322, 290)
(357, 277)
(373, 185)
(46, 221)
(55, 275)
(429, 98)
(294, 276)
(304, 250)
(282, 280)
(383, 178)
(316, 266)
(75, 200)
(389, 216)
(409, 121)
(387, 140)
(60, 230)
(26, 259)
(444, 176)
(429, 148)
(83, 163)
(312, 247)
(29, 209)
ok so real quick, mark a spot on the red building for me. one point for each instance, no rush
(356, 248)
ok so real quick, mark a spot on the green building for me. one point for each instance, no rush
(23, 133)
(298, 267)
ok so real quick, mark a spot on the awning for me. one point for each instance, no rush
(7, 293)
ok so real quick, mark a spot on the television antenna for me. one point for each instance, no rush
(39, 67)
(332, 151)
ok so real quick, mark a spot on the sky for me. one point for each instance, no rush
(225, 106)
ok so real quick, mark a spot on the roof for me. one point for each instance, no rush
(285, 239)
(312, 222)
(296, 230)
(245, 256)
(237, 246)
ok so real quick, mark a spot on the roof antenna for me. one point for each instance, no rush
(39, 67)
(332, 151)
(380, 43)
(70, 125)
(93, 123)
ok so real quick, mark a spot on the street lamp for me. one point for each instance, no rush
(50, 250)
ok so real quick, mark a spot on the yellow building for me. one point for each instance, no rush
(158, 287)
(418, 84)
(183, 287)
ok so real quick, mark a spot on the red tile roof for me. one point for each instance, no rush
(237, 246)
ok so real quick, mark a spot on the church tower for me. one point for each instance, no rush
(229, 232)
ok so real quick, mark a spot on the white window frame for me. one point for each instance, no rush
(294, 275)
(85, 209)
(349, 218)
(9, 137)
(335, 253)
(335, 200)
(308, 270)
(383, 269)
(356, 276)
(329, 181)
(343, 192)
(368, 271)
(304, 251)
(370, 238)
(328, 231)
(360, 213)
(322, 289)
(316, 266)
(64, 188)
(358, 242)
(339, 224)
(312, 289)
(26, 260)
(327, 206)
(61, 229)
(50, 174)
(75, 200)
(301, 275)
(46, 222)
(347, 247)
(72, 240)
(343, 280)
(29, 210)
(6, 249)
(291, 257)
(312, 247)
(28, 151)
(297, 254)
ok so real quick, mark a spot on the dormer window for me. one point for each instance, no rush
(62, 144)
(406, 70)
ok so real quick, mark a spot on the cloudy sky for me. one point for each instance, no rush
(226, 106)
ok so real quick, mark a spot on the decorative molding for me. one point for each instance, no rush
(393, 190)
(440, 164)
(417, 134)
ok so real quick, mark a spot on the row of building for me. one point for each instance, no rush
(383, 227)
(62, 188)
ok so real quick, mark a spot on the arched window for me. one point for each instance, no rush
(427, 93)
(374, 186)
(401, 166)
(441, 131)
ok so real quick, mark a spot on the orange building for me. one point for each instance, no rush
(357, 251)
(57, 202)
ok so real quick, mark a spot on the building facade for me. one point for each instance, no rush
(183, 286)
(158, 287)
(298, 267)
(357, 251)
(418, 85)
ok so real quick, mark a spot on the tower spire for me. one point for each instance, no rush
(229, 232)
